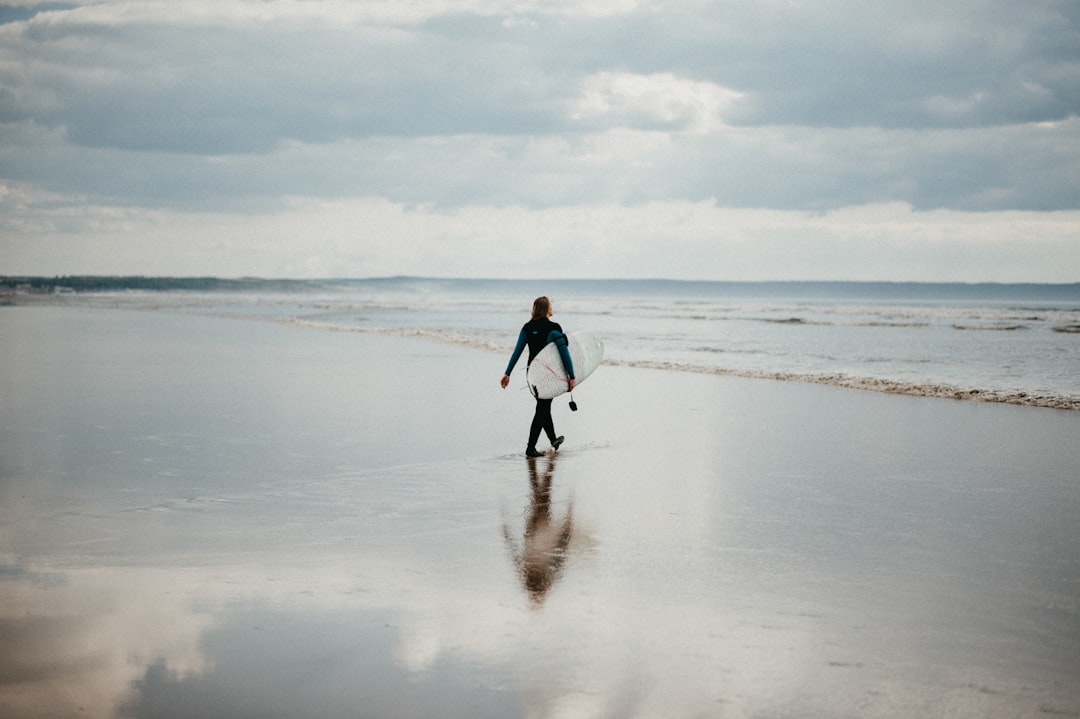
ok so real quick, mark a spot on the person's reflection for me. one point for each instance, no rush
(540, 558)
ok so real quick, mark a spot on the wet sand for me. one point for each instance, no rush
(210, 517)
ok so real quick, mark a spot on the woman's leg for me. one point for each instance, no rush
(542, 422)
(549, 424)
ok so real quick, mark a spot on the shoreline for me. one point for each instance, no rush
(885, 386)
(929, 390)
(867, 384)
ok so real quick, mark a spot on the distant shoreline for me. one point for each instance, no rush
(79, 284)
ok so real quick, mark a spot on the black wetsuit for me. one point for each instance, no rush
(536, 334)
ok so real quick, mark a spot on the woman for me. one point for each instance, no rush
(536, 334)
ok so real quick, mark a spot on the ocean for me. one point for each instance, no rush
(1018, 344)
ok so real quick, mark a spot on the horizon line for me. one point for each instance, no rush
(5, 278)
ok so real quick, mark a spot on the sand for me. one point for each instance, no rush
(210, 517)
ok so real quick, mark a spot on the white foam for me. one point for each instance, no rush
(873, 384)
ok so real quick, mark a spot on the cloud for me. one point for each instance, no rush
(363, 237)
(662, 100)
(846, 64)
(236, 107)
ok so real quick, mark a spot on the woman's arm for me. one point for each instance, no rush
(522, 341)
(563, 343)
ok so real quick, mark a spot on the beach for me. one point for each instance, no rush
(220, 516)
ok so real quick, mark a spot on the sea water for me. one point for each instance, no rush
(1005, 343)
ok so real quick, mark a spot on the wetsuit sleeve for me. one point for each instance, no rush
(563, 344)
(522, 340)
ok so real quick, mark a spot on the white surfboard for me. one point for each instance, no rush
(546, 375)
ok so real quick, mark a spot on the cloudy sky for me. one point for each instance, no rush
(729, 140)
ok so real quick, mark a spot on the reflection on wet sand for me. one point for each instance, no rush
(543, 552)
(75, 640)
(238, 552)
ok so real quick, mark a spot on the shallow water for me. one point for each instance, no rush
(1004, 343)
(221, 517)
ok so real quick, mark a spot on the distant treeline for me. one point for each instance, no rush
(80, 283)
(915, 291)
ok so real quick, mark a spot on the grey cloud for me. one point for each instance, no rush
(231, 90)
(19, 13)
(845, 103)
(242, 89)
(1020, 167)
(1024, 167)
(878, 64)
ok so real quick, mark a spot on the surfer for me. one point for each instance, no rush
(535, 335)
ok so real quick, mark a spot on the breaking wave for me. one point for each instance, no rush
(873, 384)
(914, 389)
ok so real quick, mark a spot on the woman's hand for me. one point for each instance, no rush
(572, 383)
(505, 381)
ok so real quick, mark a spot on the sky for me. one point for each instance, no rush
(726, 140)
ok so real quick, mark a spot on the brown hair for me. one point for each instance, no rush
(541, 307)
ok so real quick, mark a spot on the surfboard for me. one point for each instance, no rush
(546, 375)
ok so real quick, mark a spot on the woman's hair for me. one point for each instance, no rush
(541, 307)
